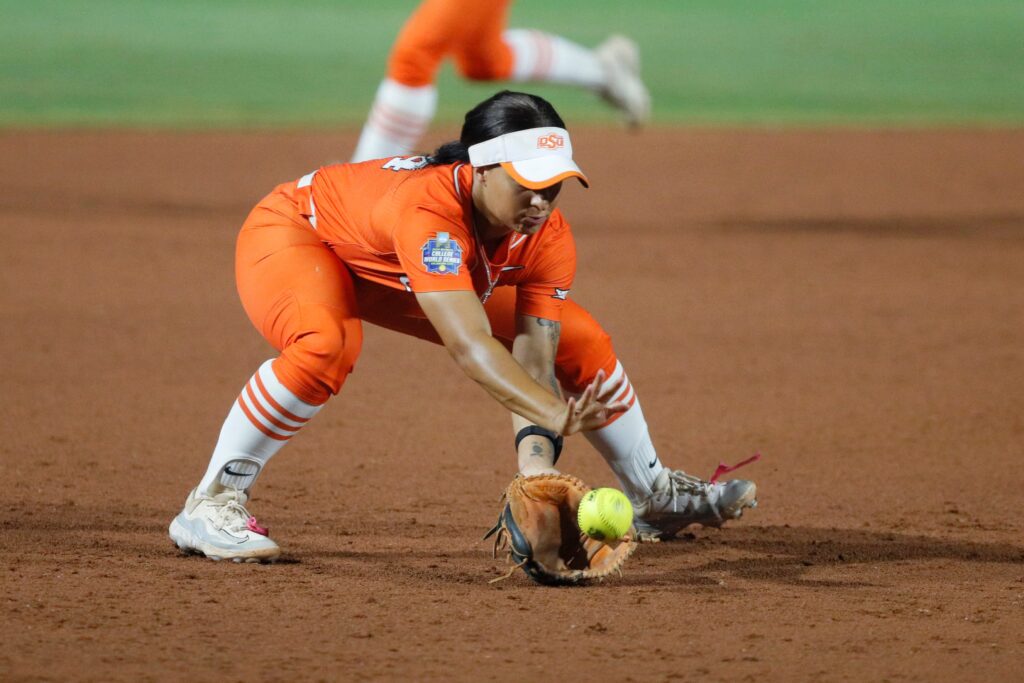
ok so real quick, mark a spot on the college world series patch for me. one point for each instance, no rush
(442, 255)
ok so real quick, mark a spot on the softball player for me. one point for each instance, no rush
(474, 34)
(464, 248)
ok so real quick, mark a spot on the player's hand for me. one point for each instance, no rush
(594, 407)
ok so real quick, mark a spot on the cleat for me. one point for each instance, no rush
(220, 527)
(620, 58)
(680, 500)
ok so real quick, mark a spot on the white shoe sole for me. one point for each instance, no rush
(188, 542)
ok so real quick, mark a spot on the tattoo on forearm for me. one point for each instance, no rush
(554, 330)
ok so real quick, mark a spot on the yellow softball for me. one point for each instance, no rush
(605, 514)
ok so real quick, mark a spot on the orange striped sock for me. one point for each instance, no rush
(626, 445)
(398, 119)
(262, 420)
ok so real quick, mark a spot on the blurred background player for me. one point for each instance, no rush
(473, 33)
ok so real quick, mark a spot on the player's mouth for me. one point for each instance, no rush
(531, 223)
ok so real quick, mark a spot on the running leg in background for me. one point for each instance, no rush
(475, 34)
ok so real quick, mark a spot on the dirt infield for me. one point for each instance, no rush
(849, 303)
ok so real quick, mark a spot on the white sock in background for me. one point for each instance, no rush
(626, 446)
(549, 58)
(398, 119)
(261, 421)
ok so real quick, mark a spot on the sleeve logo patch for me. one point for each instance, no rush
(562, 294)
(442, 255)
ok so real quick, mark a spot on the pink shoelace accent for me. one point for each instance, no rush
(726, 469)
(252, 526)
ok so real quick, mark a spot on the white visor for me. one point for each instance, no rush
(535, 158)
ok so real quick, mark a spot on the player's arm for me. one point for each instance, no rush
(460, 321)
(534, 347)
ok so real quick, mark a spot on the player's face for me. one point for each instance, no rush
(510, 207)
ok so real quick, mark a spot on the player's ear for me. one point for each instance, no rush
(482, 172)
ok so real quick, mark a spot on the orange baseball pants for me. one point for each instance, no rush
(469, 30)
(306, 303)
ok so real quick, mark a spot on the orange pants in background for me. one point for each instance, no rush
(306, 303)
(469, 30)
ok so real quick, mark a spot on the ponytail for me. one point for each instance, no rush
(449, 153)
(505, 112)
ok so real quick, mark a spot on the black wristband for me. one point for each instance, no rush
(534, 430)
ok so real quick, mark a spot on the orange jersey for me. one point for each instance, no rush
(411, 228)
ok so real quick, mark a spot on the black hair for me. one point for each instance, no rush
(505, 112)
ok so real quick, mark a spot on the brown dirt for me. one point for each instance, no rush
(850, 303)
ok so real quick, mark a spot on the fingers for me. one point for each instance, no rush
(595, 388)
(612, 390)
(617, 407)
(572, 407)
(589, 393)
(600, 417)
(598, 414)
(606, 393)
(594, 407)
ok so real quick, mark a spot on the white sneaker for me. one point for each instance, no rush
(623, 89)
(680, 500)
(222, 529)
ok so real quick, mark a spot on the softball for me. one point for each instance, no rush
(605, 514)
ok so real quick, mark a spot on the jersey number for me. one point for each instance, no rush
(406, 163)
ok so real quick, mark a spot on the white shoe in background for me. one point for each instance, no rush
(620, 58)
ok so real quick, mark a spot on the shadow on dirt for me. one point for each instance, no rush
(998, 226)
(787, 553)
(779, 554)
(698, 558)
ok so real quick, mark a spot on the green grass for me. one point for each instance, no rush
(214, 63)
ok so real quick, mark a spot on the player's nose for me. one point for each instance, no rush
(541, 199)
(548, 194)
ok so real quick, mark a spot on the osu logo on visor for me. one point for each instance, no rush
(552, 141)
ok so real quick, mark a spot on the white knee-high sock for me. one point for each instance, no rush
(545, 57)
(261, 421)
(626, 445)
(399, 117)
